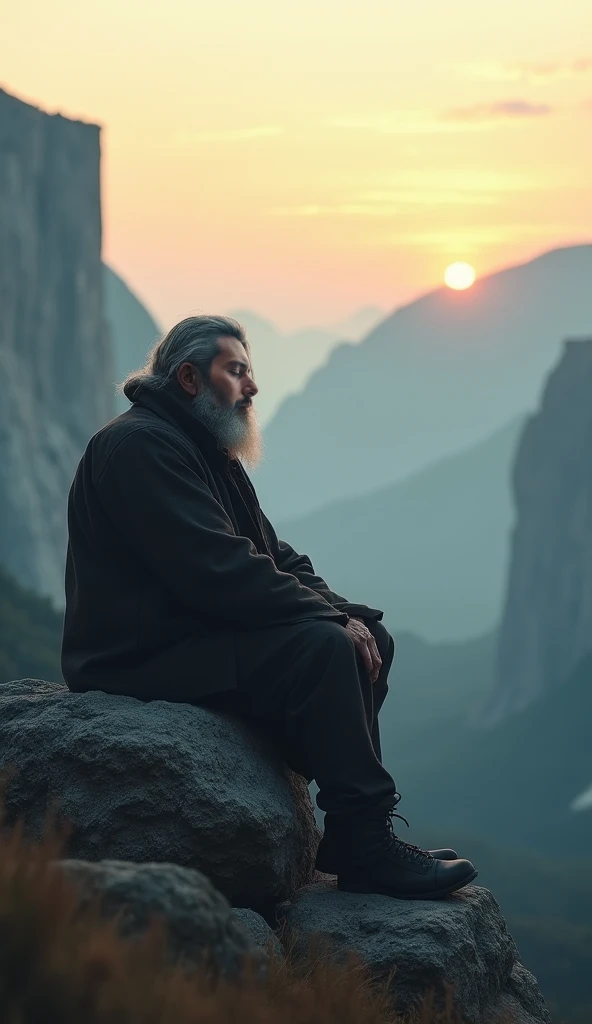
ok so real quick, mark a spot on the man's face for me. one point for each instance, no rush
(230, 374)
(225, 404)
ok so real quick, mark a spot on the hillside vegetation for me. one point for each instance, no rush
(63, 962)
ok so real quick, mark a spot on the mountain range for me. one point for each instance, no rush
(513, 784)
(431, 551)
(283, 362)
(438, 375)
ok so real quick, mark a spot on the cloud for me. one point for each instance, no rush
(262, 131)
(466, 179)
(502, 110)
(385, 196)
(479, 117)
(522, 71)
(400, 122)
(354, 209)
(427, 197)
(469, 239)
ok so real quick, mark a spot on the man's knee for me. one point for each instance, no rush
(322, 631)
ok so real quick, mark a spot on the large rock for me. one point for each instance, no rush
(461, 941)
(545, 632)
(200, 923)
(160, 782)
(258, 929)
(55, 352)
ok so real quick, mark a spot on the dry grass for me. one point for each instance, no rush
(63, 965)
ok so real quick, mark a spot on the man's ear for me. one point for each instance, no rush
(189, 379)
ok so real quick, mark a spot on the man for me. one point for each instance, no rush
(178, 588)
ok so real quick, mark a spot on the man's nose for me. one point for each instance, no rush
(250, 388)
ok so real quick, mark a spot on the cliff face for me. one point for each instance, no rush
(55, 353)
(133, 330)
(547, 624)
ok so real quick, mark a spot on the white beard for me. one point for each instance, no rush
(234, 429)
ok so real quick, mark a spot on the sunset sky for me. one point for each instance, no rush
(304, 160)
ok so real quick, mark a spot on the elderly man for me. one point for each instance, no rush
(178, 588)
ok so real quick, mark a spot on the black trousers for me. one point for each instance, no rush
(307, 686)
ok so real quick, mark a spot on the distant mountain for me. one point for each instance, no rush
(431, 551)
(133, 330)
(356, 326)
(513, 784)
(436, 376)
(284, 362)
(521, 777)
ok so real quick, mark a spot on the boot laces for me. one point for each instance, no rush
(407, 850)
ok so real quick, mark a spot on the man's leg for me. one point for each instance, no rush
(374, 694)
(303, 683)
(306, 684)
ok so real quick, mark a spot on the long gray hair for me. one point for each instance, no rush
(193, 340)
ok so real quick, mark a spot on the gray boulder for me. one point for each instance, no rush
(201, 925)
(159, 782)
(461, 941)
(257, 927)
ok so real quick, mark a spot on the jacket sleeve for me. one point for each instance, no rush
(157, 498)
(288, 560)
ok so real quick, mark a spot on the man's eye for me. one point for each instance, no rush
(235, 373)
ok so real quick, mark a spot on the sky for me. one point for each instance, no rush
(309, 159)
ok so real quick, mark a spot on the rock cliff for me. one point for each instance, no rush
(55, 352)
(546, 628)
(133, 329)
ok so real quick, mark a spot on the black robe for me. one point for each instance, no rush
(169, 553)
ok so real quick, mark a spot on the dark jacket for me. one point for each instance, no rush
(169, 553)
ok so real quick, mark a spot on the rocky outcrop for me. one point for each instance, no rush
(158, 781)
(55, 355)
(459, 943)
(180, 812)
(259, 930)
(200, 923)
(546, 630)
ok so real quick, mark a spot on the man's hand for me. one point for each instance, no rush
(366, 645)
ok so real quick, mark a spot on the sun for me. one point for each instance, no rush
(460, 276)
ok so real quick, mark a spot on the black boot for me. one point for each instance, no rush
(373, 859)
(327, 858)
(331, 844)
